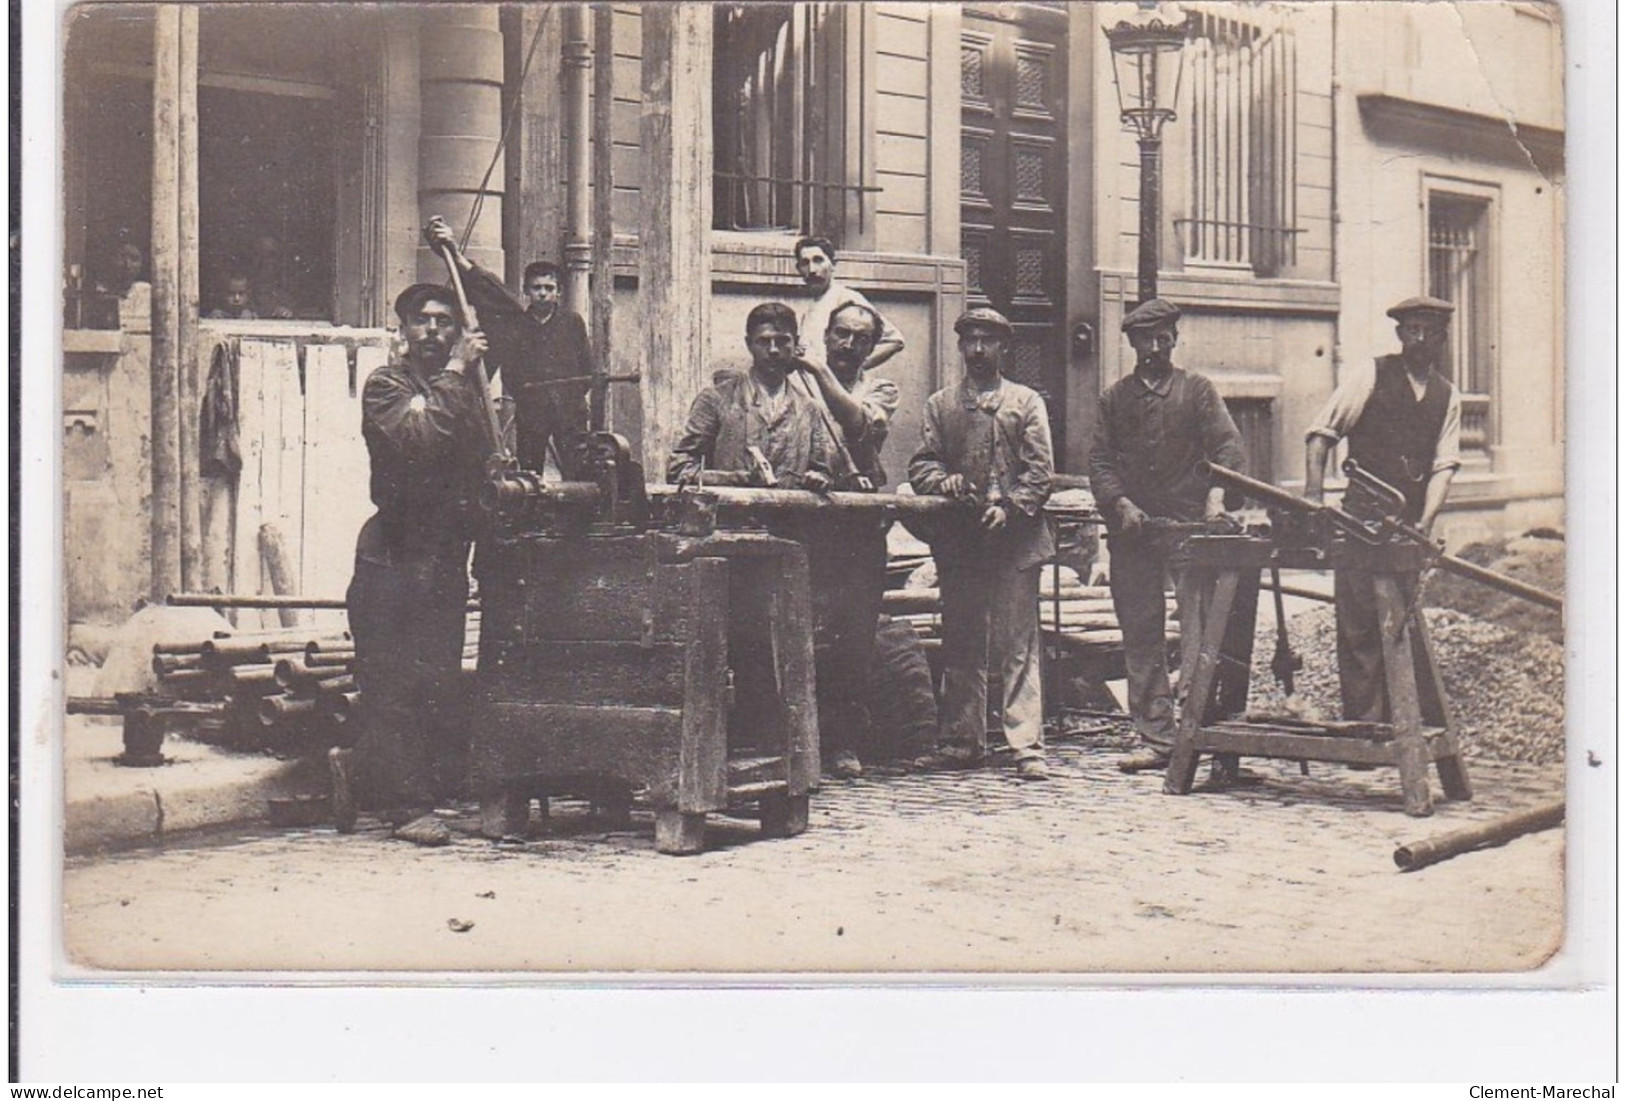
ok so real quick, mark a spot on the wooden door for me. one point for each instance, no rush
(1013, 164)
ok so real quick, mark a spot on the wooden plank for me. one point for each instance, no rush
(165, 398)
(1281, 745)
(674, 219)
(246, 575)
(336, 502)
(703, 783)
(284, 469)
(187, 359)
(1393, 614)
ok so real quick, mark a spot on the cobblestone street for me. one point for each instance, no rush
(1096, 871)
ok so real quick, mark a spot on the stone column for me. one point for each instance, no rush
(460, 78)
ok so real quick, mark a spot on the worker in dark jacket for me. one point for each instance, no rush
(1402, 420)
(536, 344)
(1155, 428)
(422, 422)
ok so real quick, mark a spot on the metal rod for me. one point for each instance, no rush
(1419, 854)
(233, 600)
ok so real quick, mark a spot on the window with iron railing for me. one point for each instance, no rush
(1242, 116)
(779, 112)
(1459, 272)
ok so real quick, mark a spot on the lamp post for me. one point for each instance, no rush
(1148, 63)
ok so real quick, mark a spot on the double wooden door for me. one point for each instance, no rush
(1013, 181)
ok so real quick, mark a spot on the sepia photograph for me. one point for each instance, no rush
(928, 492)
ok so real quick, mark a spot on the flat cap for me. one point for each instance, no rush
(1154, 312)
(409, 301)
(984, 316)
(1421, 304)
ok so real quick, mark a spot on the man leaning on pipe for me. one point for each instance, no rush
(1402, 420)
(422, 422)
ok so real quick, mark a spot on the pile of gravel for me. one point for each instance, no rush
(1505, 687)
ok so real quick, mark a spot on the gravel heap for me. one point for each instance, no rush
(1505, 687)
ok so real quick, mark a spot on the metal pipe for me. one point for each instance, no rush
(1419, 854)
(577, 158)
(603, 208)
(1383, 531)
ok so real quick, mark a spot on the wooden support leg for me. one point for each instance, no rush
(505, 814)
(784, 815)
(679, 834)
(1435, 709)
(1403, 707)
(1211, 622)
(792, 629)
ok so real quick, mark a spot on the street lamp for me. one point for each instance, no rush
(1148, 62)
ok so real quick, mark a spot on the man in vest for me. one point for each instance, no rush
(1402, 420)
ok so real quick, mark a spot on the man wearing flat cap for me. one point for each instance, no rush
(1155, 428)
(1402, 420)
(422, 422)
(987, 439)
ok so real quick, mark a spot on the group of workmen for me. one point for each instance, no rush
(811, 412)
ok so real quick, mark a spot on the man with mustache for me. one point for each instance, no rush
(1402, 419)
(848, 554)
(1155, 428)
(421, 419)
(987, 439)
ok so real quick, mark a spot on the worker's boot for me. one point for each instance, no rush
(1147, 760)
(426, 829)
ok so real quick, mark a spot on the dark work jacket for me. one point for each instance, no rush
(1397, 435)
(1150, 443)
(426, 445)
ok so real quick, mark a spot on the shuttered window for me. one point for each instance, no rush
(1459, 272)
(1242, 109)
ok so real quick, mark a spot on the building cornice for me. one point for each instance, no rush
(1429, 124)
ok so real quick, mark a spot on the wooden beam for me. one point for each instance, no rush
(535, 154)
(165, 509)
(186, 151)
(674, 219)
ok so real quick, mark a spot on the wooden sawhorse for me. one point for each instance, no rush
(1421, 729)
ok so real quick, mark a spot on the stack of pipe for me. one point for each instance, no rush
(276, 684)
(236, 668)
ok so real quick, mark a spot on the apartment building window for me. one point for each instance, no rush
(1459, 271)
(780, 118)
(1243, 112)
